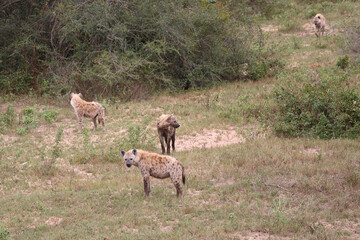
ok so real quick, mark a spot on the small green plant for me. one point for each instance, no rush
(7, 119)
(57, 149)
(280, 218)
(343, 62)
(50, 115)
(21, 131)
(138, 137)
(258, 70)
(4, 233)
(29, 120)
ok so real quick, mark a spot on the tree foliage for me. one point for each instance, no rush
(126, 48)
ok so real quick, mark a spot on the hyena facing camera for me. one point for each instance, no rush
(319, 22)
(166, 127)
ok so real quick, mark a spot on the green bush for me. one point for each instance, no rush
(126, 48)
(50, 115)
(343, 62)
(322, 107)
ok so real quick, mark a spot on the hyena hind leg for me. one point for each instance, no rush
(177, 183)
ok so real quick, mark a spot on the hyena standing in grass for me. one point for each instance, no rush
(319, 22)
(87, 109)
(166, 127)
(156, 165)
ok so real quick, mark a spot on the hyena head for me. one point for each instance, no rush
(317, 20)
(130, 157)
(74, 94)
(172, 121)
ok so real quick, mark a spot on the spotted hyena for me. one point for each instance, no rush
(156, 165)
(166, 127)
(87, 109)
(319, 22)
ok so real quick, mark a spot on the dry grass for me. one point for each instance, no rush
(242, 181)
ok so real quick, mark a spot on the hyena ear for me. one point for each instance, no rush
(169, 118)
(122, 153)
(71, 95)
(80, 95)
(134, 151)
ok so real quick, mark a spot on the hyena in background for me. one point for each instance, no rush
(319, 22)
(166, 127)
(156, 165)
(87, 109)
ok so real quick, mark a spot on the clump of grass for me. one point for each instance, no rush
(7, 119)
(46, 166)
(291, 25)
(4, 233)
(296, 42)
(138, 136)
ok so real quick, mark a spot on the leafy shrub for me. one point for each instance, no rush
(321, 107)
(343, 62)
(126, 48)
(50, 115)
(29, 119)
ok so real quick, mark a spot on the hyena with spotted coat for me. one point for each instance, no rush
(87, 109)
(319, 22)
(156, 165)
(166, 127)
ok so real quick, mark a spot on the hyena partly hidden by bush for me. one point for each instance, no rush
(156, 165)
(87, 109)
(166, 127)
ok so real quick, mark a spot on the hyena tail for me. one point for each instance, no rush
(183, 175)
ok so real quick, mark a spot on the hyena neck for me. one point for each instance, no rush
(75, 101)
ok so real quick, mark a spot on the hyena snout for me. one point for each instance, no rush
(175, 124)
(128, 164)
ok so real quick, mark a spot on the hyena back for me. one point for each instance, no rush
(156, 165)
(166, 127)
(87, 109)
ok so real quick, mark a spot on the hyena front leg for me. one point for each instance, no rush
(168, 139)
(147, 185)
(173, 141)
(80, 119)
(161, 137)
(95, 123)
